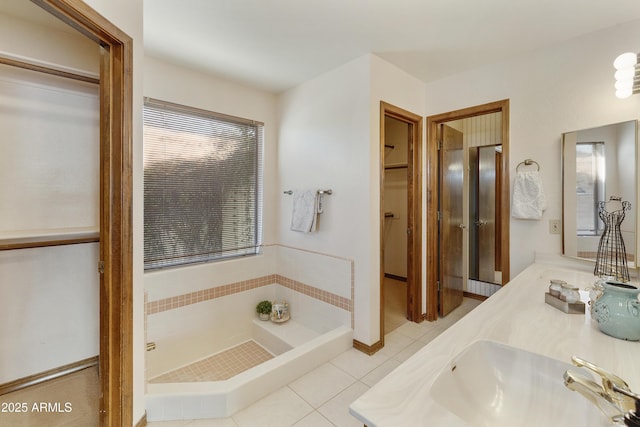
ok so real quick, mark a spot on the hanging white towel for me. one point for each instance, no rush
(305, 211)
(529, 200)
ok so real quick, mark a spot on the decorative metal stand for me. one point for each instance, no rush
(612, 256)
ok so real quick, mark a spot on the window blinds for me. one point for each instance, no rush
(202, 185)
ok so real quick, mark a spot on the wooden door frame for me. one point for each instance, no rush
(432, 193)
(116, 189)
(414, 212)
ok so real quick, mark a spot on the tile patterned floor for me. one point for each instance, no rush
(322, 397)
(220, 366)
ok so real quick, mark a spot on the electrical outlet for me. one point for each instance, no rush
(554, 226)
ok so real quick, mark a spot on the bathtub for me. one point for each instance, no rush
(195, 312)
(297, 349)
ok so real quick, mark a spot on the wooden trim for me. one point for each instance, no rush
(47, 375)
(394, 277)
(368, 349)
(474, 296)
(432, 194)
(43, 244)
(142, 422)
(116, 235)
(47, 70)
(54, 238)
(414, 211)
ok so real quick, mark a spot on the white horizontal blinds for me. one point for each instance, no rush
(202, 185)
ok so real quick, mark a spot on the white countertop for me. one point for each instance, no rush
(516, 315)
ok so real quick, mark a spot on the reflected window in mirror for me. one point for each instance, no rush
(590, 187)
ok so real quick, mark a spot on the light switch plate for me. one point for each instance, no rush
(554, 226)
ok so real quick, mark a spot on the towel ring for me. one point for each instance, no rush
(528, 162)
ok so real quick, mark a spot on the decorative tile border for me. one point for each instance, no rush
(153, 307)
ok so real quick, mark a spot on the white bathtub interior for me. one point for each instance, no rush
(317, 332)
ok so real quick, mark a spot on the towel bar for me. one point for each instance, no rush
(321, 192)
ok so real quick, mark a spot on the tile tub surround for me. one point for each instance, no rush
(517, 316)
(153, 307)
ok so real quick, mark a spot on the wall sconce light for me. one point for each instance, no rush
(627, 76)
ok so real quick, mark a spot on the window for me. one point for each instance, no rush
(202, 185)
(590, 177)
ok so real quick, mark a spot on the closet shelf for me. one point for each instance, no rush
(22, 239)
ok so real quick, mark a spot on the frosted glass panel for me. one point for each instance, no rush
(49, 152)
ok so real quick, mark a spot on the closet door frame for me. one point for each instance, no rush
(116, 189)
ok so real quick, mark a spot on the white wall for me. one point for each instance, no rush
(563, 88)
(324, 144)
(330, 138)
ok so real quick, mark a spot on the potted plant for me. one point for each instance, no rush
(264, 310)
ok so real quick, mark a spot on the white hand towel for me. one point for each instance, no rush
(529, 200)
(305, 211)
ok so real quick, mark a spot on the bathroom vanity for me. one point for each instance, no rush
(513, 341)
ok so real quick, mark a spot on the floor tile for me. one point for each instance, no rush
(217, 422)
(380, 372)
(314, 419)
(412, 330)
(322, 384)
(430, 335)
(394, 343)
(281, 408)
(337, 409)
(220, 366)
(409, 351)
(177, 423)
(357, 363)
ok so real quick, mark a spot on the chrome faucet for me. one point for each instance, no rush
(607, 397)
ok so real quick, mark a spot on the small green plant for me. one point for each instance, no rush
(263, 307)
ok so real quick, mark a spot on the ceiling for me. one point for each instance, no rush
(277, 44)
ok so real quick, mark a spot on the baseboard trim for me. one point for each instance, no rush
(143, 421)
(474, 296)
(49, 375)
(368, 349)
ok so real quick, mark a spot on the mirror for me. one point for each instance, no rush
(484, 213)
(598, 164)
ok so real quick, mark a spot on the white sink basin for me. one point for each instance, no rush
(491, 384)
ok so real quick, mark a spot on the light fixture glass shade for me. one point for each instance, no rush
(626, 74)
(624, 93)
(624, 84)
(625, 60)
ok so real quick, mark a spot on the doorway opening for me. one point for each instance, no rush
(400, 217)
(468, 206)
